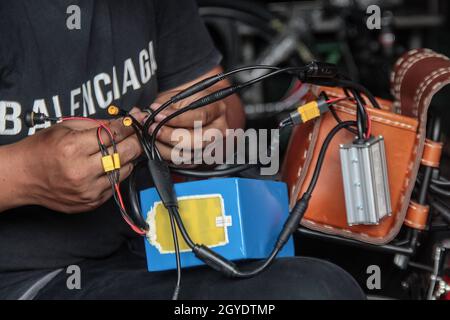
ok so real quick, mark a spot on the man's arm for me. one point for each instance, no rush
(13, 182)
(60, 167)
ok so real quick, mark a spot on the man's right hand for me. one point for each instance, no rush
(60, 167)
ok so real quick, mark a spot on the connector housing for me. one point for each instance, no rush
(366, 184)
(309, 111)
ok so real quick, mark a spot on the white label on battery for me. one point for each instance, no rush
(224, 221)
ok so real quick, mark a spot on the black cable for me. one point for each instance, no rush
(441, 208)
(310, 71)
(441, 182)
(197, 87)
(353, 85)
(323, 151)
(213, 97)
(177, 288)
(176, 214)
(439, 191)
(135, 207)
(339, 120)
(361, 115)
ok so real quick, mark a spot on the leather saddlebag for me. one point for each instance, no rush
(417, 76)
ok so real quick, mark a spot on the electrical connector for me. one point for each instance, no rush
(116, 160)
(113, 110)
(127, 121)
(108, 163)
(309, 111)
(33, 118)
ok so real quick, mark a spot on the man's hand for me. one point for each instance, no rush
(221, 115)
(60, 167)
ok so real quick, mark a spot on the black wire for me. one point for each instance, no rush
(339, 120)
(176, 214)
(323, 151)
(237, 87)
(177, 288)
(361, 115)
(353, 85)
(220, 76)
(441, 182)
(135, 208)
(239, 274)
(439, 191)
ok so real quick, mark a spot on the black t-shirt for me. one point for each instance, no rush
(125, 52)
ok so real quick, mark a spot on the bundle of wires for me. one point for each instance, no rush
(111, 165)
(160, 171)
(313, 73)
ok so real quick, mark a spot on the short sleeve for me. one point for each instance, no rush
(184, 48)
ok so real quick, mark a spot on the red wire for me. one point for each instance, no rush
(119, 196)
(101, 124)
(116, 185)
(334, 100)
(99, 134)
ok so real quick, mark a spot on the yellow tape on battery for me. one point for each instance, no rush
(200, 216)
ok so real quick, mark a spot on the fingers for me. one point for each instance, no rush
(83, 123)
(89, 138)
(205, 115)
(128, 150)
(85, 131)
(187, 150)
(103, 184)
(192, 138)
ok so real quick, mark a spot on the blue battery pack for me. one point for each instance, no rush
(238, 218)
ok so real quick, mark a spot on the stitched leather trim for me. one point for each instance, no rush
(417, 216)
(432, 153)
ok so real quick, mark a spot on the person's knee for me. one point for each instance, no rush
(310, 278)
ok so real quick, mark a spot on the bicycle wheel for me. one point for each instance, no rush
(242, 30)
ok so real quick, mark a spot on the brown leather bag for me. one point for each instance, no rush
(417, 76)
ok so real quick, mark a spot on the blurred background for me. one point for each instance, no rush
(285, 33)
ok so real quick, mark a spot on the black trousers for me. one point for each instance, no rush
(124, 276)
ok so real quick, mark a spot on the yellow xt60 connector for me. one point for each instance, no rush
(309, 111)
(108, 163)
(116, 159)
(111, 162)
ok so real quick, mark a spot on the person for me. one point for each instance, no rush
(75, 58)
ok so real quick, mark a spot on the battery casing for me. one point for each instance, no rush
(365, 179)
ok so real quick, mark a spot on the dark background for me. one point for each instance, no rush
(336, 31)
